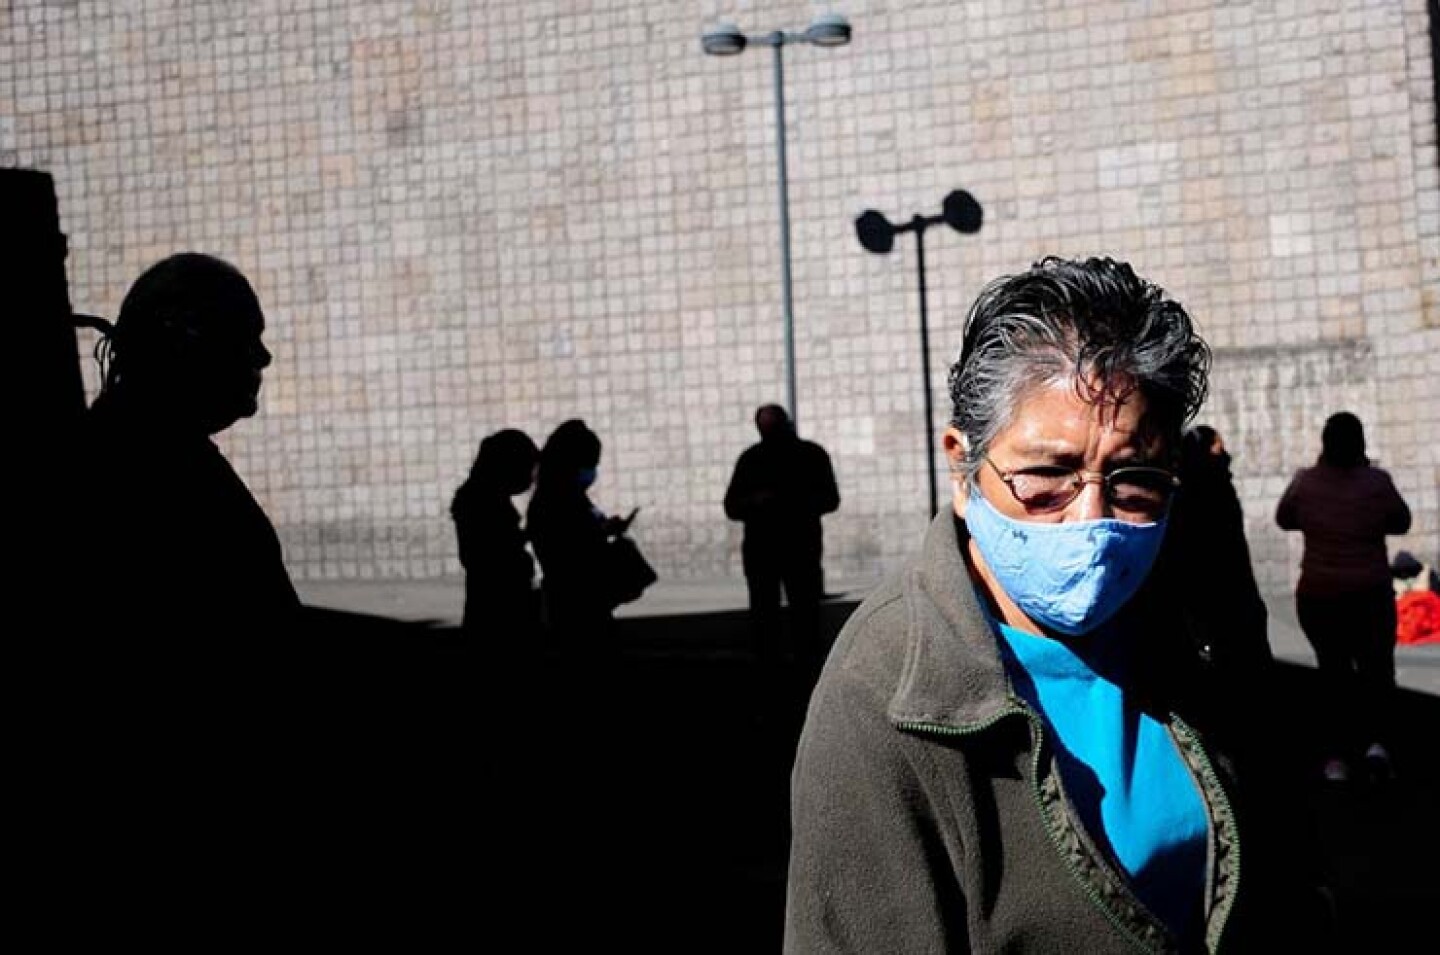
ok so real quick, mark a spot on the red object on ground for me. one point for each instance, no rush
(1419, 616)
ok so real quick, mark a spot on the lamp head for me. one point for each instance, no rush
(828, 29)
(724, 39)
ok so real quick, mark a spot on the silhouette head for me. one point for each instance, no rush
(773, 423)
(1202, 450)
(1342, 441)
(1203, 439)
(187, 342)
(571, 450)
(507, 461)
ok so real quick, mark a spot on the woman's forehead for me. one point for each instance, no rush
(1060, 415)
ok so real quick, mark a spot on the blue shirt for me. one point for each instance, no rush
(1134, 793)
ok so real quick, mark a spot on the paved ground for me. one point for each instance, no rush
(640, 801)
(441, 602)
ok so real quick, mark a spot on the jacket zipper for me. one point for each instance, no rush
(919, 726)
(1019, 709)
(1212, 785)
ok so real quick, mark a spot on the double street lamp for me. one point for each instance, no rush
(725, 39)
(963, 214)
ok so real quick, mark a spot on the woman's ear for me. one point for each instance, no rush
(956, 447)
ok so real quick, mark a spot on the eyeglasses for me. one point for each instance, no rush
(1140, 492)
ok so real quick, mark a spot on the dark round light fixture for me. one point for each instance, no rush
(962, 213)
(877, 234)
(875, 231)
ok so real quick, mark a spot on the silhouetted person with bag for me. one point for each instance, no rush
(781, 487)
(501, 602)
(1345, 599)
(571, 537)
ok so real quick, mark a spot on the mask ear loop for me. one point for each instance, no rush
(104, 351)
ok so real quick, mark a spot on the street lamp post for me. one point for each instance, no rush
(963, 214)
(725, 39)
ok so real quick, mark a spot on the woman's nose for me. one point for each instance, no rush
(1091, 505)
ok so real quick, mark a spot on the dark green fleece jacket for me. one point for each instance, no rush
(928, 810)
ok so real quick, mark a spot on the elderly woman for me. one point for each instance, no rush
(994, 758)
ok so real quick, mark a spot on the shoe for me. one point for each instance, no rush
(1378, 765)
(1336, 771)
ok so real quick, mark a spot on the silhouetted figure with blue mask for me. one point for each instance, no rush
(780, 489)
(500, 598)
(571, 536)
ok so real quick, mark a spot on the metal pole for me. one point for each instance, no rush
(785, 234)
(925, 372)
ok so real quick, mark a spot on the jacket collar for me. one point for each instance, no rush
(953, 676)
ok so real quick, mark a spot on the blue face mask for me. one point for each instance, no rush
(586, 477)
(1071, 576)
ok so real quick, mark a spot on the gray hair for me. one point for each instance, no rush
(1093, 324)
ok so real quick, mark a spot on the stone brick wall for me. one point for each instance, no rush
(468, 216)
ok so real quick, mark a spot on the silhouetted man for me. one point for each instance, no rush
(184, 655)
(184, 559)
(780, 489)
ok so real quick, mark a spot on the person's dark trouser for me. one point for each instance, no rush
(508, 623)
(1353, 637)
(766, 572)
(578, 628)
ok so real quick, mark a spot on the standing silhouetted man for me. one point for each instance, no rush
(184, 642)
(185, 566)
(781, 487)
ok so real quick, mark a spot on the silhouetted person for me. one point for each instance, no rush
(500, 598)
(781, 487)
(570, 536)
(1345, 599)
(1204, 575)
(185, 647)
(184, 561)
(1205, 548)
